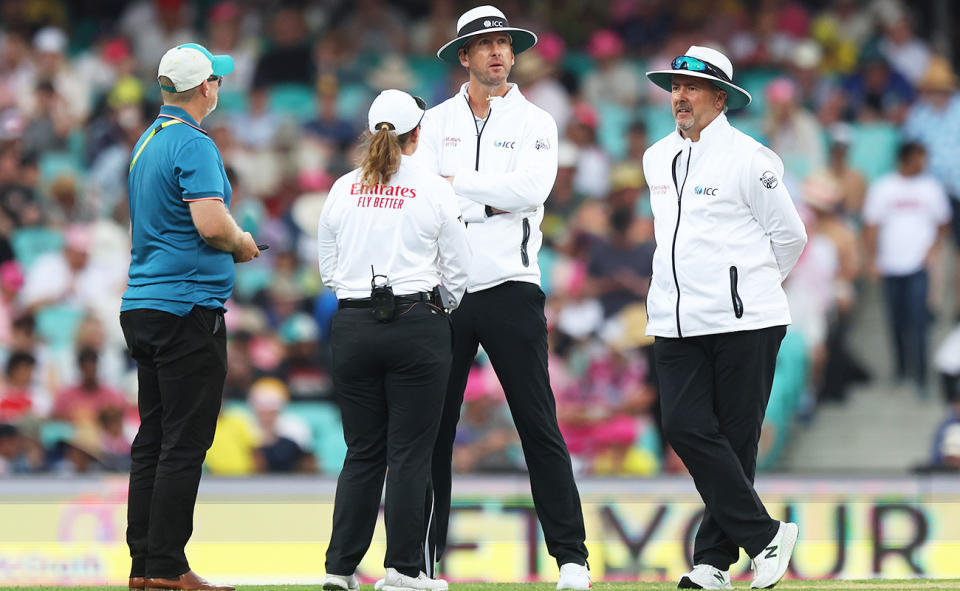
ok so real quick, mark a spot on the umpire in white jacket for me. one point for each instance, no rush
(727, 236)
(388, 235)
(500, 153)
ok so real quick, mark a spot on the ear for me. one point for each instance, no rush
(462, 54)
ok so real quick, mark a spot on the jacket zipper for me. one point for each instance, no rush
(734, 295)
(524, 258)
(676, 230)
(476, 165)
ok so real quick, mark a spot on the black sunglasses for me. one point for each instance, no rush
(217, 79)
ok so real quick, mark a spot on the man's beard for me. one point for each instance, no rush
(487, 79)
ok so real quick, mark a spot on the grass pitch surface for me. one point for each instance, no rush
(862, 585)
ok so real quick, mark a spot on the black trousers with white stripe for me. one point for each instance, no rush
(390, 381)
(508, 321)
(713, 396)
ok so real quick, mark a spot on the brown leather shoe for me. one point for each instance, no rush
(136, 583)
(188, 581)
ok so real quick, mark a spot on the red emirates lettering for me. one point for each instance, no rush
(378, 189)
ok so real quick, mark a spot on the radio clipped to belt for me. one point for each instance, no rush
(383, 305)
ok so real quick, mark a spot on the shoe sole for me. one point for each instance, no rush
(688, 583)
(392, 588)
(790, 535)
(335, 587)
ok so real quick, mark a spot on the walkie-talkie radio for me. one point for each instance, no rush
(383, 305)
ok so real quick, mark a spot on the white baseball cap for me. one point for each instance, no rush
(188, 65)
(399, 109)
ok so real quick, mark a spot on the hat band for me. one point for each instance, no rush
(693, 64)
(482, 23)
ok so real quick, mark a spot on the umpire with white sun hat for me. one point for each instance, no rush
(499, 152)
(727, 235)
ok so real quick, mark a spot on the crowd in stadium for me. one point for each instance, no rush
(838, 89)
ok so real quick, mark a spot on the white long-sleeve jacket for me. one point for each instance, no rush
(727, 234)
(508, 163)
(409, 230)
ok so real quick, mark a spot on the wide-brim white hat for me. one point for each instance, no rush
(719, 72)
(480, 21)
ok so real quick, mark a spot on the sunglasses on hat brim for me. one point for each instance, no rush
(692, 64)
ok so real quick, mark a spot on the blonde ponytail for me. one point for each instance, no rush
(381, 155)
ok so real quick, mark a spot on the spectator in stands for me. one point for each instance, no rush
(539, 80)
(876, 91)
(11, 280)
(934, 121)
(226, 38)
(598, 415)
(256, 127)
(50, 124)
(18, 454)
(329, 126)
(303, 369)
(19, 399)
(793, 132)
(89, 397)
(852, 185)
(907, 54)
(592, 178)
(613, 79)
(50, 64)
(284, 439)
(288, 58)
(486, 438)
(619, 268)
(906, 215)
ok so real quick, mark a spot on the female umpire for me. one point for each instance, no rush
(389, 234)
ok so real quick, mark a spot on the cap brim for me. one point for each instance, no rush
(522, 41)
(737, 98)
(222, 65)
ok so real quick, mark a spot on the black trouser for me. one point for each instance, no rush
(713, 394)
(907, 313)
(181, 366)
(390, 381)
(508, 321)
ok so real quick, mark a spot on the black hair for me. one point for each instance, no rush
(87, 354)
(17, 359)
(908, 149)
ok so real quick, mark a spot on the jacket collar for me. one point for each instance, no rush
(710, 134)
(513, 96)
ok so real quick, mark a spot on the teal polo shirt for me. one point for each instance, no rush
(171, 268)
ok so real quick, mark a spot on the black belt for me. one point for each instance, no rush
(413, 298)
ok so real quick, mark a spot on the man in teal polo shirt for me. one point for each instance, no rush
(185, 243)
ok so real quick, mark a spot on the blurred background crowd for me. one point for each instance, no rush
(859, 98)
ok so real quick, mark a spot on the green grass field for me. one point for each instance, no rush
(864, 585)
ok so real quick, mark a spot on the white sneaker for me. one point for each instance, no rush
(704, 576)
(574, 576)
(771, 563)
(379, 584)
(333, 582)
(396, 581)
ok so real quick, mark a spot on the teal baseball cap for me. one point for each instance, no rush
(188, 65)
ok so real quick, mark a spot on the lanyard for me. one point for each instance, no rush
(163, 125)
